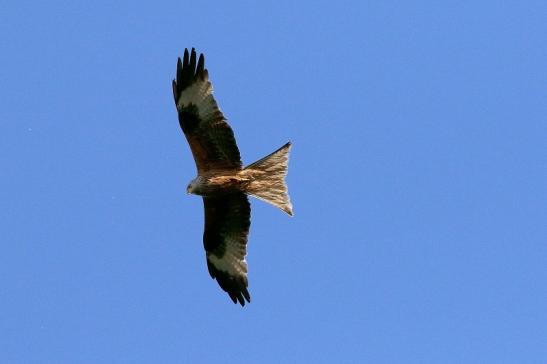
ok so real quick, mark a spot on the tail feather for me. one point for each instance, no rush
(267, 179)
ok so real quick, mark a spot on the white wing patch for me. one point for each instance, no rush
(200, 94)
(233, 261)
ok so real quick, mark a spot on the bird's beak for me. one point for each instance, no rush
(187, 190)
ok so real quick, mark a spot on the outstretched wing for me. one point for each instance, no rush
(227, 222)
(210, 137)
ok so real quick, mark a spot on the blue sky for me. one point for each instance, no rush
(418, 176)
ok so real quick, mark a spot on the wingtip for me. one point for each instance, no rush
(193, 60)
(190, 68)
(239, 297)
(186, 57)
(201, 64)
(175, 93)
(246, 295)
(235, 287)
(233, 297)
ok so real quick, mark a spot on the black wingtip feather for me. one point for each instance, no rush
(236, 287)
(186, 57)
(193, 61)
(175, 93)
(179, 71)
(189, 69)
(201, 64)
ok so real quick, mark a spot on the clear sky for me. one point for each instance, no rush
(418, 176)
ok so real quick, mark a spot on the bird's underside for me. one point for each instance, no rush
(222, 181)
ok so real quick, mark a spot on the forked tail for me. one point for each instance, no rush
(267, 179)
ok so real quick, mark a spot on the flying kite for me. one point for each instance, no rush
(221, 180)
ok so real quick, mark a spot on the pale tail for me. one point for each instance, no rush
(267, 179)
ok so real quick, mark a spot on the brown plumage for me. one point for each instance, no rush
(222, 181)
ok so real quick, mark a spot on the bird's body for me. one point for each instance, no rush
(222, 181)
(216, 184)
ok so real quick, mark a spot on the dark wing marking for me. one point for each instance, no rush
(227, 222)
(210, 137)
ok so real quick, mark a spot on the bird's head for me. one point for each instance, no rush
(193, 186)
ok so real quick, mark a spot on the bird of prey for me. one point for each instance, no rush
(222, 181)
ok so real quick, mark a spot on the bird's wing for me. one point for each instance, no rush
(210, 137)
(227, 222)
